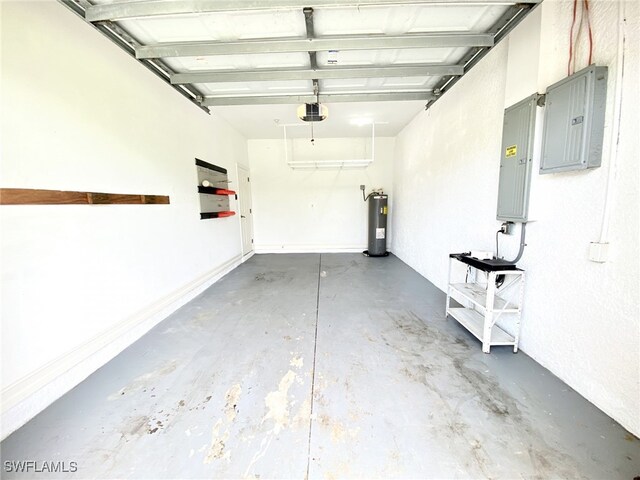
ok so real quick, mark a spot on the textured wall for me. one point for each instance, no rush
(581, 319)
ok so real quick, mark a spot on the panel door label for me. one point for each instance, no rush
(511, 151)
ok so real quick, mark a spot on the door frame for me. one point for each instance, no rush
(245, 256)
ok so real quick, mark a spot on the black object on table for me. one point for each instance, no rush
(491, 265)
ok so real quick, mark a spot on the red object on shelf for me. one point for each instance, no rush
(223, 191)
(226, 214)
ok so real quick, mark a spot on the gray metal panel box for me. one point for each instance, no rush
(516, 160)
(574, 121)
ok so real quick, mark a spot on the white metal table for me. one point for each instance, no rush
(491, 290)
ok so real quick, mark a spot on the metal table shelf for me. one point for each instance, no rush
(484, 304)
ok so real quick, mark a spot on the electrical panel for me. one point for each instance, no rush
(516, 160)
(574, 121)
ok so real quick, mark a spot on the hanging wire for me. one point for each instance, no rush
(573, 22)
(586, 6)
(573, 40)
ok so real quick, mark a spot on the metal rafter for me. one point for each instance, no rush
(308, 21)
(103, 19)
(335, 42)
(313, 61)
(149, 8)
(500, 29)
(129, 44)
(309, 74)
(322, 98)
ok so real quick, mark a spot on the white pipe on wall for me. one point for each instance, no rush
(615, 131)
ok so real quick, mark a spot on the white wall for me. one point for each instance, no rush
(581, 319)
(315, 210)
(80, 283)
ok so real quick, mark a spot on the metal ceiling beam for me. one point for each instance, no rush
(148, 8)
(126, 42)
(322, 98)
(310, 74)
(336, 42)
(500, 29)
(313, 60)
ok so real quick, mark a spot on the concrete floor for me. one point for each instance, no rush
(323, 366)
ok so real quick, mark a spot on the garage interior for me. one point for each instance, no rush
(187, 189)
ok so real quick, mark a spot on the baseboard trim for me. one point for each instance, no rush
(57, 377)
(248, 256)
(310, 249)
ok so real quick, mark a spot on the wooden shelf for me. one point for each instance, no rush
(28, 196)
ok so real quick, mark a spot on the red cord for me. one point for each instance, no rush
(586, 4)
(573, 22)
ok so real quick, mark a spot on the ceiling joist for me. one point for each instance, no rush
(337, 42)
(149, 8)
(476, 38)
(322, 98)
(322, 74)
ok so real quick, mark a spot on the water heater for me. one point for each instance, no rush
(377, 230)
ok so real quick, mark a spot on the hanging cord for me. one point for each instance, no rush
(576, 39)
(573, 22)
(497, 251)
(573, 41)
(586, 6)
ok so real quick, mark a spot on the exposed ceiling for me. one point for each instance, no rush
(252, 61)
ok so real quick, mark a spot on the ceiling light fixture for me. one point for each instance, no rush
(312, 112)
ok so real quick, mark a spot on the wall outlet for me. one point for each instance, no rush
(362, 187)
(598, 252)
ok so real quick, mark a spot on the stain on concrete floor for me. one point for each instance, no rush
(229, 387)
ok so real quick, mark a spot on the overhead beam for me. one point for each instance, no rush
(126, 42)
(500, 29)
(308, 22)
(310, 74)
(322, 98)
(334, 42)
(313, 60)
(149, 8)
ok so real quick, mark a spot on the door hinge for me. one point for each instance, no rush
(250, 211)
(252, 240)
(248, 179)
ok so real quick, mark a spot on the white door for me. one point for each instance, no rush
(246, 213)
